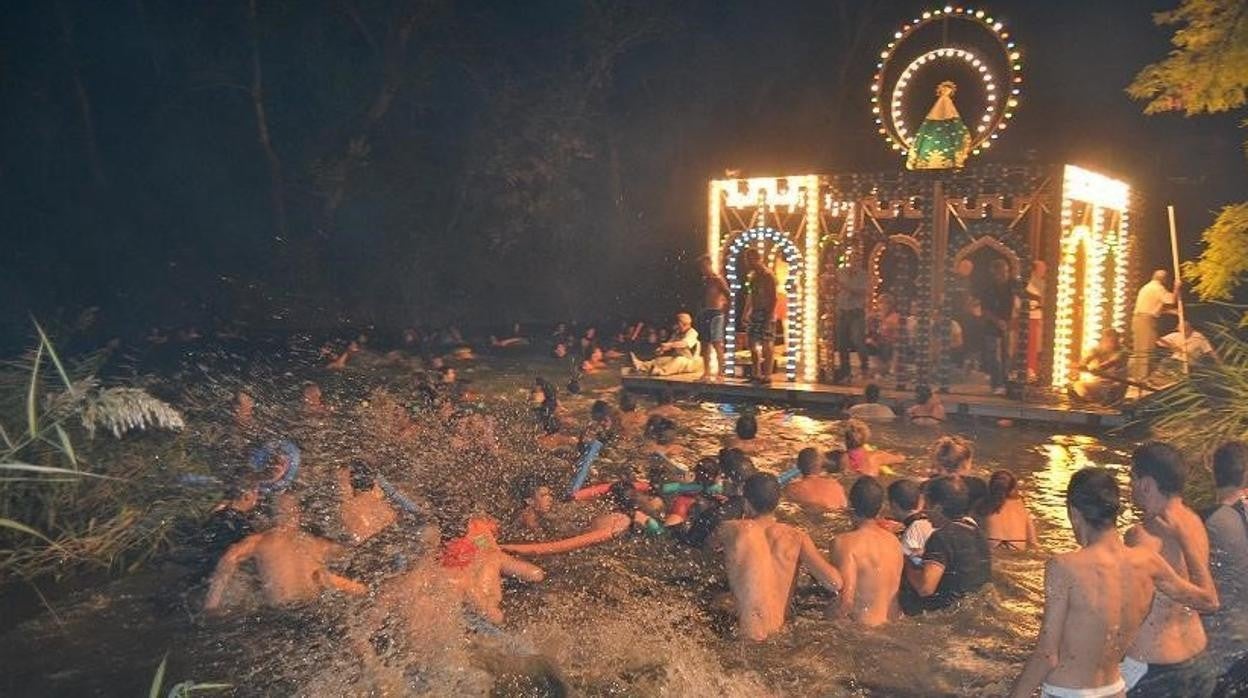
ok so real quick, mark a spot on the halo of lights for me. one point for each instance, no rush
(1002, 98)
(792, 289)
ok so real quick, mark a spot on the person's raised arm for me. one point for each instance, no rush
(226, 567)
(594, 536)
(847, 567)
(1179, 589)
(1044, 657)
(819, 567)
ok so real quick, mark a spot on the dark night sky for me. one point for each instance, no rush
(744, 85)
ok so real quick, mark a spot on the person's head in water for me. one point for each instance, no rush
(810, 461)
(535, 494)
(871, 393)
(947, 497)
(866, 498)
(1157, 476)
(311, 394)
(904, 496)
(1230, 462)
(706, 471)
(856, 433)
(835, 461)
(623, 496)
(735, 465)
(922, 394)
(1002, 485)
(600, 411)
(762, 494)
(574, 387)
(952, 455)
(447, 375)
(628, 403)
(747, 427)
(1092, 503)
(362, 479)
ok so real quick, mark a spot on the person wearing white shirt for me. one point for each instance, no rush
(1197, 346)
(676, 356)
(1149, 304)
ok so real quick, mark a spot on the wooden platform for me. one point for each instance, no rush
(1040, 408)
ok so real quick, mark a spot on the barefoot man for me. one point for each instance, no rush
(292, 564)
(1168, 656)
(1096, 598)
(762, 557)
(711, 318)
(760, 315)
(869, 559)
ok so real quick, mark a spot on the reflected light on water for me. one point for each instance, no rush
(1064, 456)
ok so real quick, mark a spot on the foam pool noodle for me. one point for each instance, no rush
(588, 456)
(788, 476)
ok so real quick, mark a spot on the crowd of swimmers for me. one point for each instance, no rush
(1159, 610)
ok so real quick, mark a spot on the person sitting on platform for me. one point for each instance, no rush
(675, 356)
(1103, 371)
(1190, 345)
(927, 409)
(870, 408)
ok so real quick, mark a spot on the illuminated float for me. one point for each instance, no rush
(957, 74)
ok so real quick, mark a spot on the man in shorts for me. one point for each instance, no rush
(760, 313)
(715, 297)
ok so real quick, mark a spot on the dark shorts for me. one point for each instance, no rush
(760, 327)
(711, 325)
(1194, 678)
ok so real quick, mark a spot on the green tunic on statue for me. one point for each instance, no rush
(939, 145)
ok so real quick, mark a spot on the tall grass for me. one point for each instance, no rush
(67, 498)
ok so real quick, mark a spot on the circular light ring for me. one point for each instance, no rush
(1009, 93)
(987, 125)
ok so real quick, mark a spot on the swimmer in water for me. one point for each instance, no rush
(815, 488)
(954, 456)
(706, 475)
(365, 509)
(631, 421)
(927, 410)
(340, 362)
(1004, 516)
(745, 435)
(244, 409)
(1097, 599)
(312, 404)
(762, 558)
(475, 564)
(292, 564)
(861, 459)
(665, 405)
(627, 512)
(869, 559)
(537, 500)
(661, 437)
(602, 424)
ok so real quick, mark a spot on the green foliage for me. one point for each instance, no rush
(181, 690)
(1224, 259)
(1207, 72)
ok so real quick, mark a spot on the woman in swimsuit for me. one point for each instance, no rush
(1005, 519)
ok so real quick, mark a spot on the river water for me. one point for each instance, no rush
(631, 617)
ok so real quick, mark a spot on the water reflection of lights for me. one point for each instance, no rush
(1064, 456)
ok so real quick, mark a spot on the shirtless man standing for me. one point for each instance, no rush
(1097, 597)
(762, 558)
(814, 488)
(711, 318)
(1168, 656)
(760, 315)
(869, 559)
(291, 563)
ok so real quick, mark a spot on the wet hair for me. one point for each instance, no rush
(599, 411)
(1230, 461)
(747, 426)
(951, 452)
(527, 485)
(622, 494)
(1093, 492)
(871, 393)
(706, 470)
(904, 494)
(762, 491)
(949, 493)
(922, 393)
(810, 461)
(667, 435)
(866, 497)
(362, 478)
(834, 461)
(548, 389)
(628, 403)
(856, 433)
(735, 465)
(1163, 463)
(574, 387)
(658, 424)
(1001, 484)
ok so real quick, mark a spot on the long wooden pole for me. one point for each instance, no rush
(1178, 296)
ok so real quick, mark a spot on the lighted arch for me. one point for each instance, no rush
(993, 244)
(793, 327)
(877, 254)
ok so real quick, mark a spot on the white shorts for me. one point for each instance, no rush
(1117, 688)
